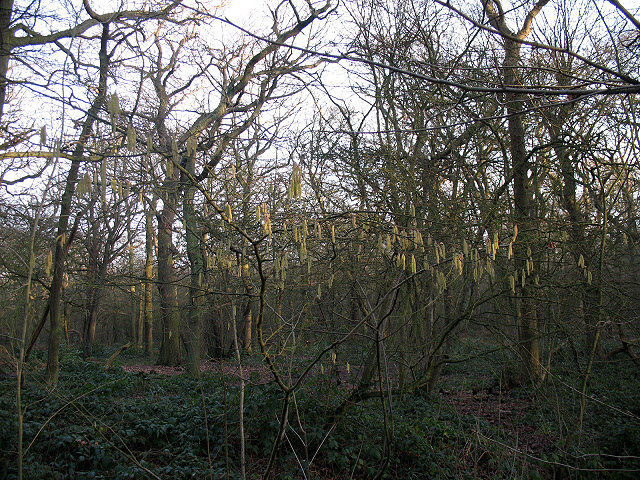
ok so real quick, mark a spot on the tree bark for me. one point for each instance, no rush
(526, 315)
(196, 262)
(148, 285)
(170, 354)
(55, 335)
(6, 9)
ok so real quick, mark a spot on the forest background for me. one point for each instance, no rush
(369, 204)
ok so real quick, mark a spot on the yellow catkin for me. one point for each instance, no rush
(170, 167)
(490, 269)
(131, 138)
(114, 104)
(49, 262)
(267, 224)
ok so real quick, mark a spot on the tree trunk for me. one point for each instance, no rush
(526, 315)
(196, 264)
(66, 307)
(248, 327)
(55, 335)
(89, 328)
(6, 9)
(170, 354)
(247, 314)
(148, 285)
(527, 321)
(135, 338)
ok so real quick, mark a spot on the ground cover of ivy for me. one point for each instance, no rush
(113, 424)
(119, 425)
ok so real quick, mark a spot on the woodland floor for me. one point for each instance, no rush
(491, 409)
(505, 410)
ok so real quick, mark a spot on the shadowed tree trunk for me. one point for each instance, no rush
(148, 285)
(527, 323)
(196, 275)
(6, 9)
(62, 240)
(170, 348)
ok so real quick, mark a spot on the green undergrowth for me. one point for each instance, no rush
(113, 424)
(603, 442)
(609, 440)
